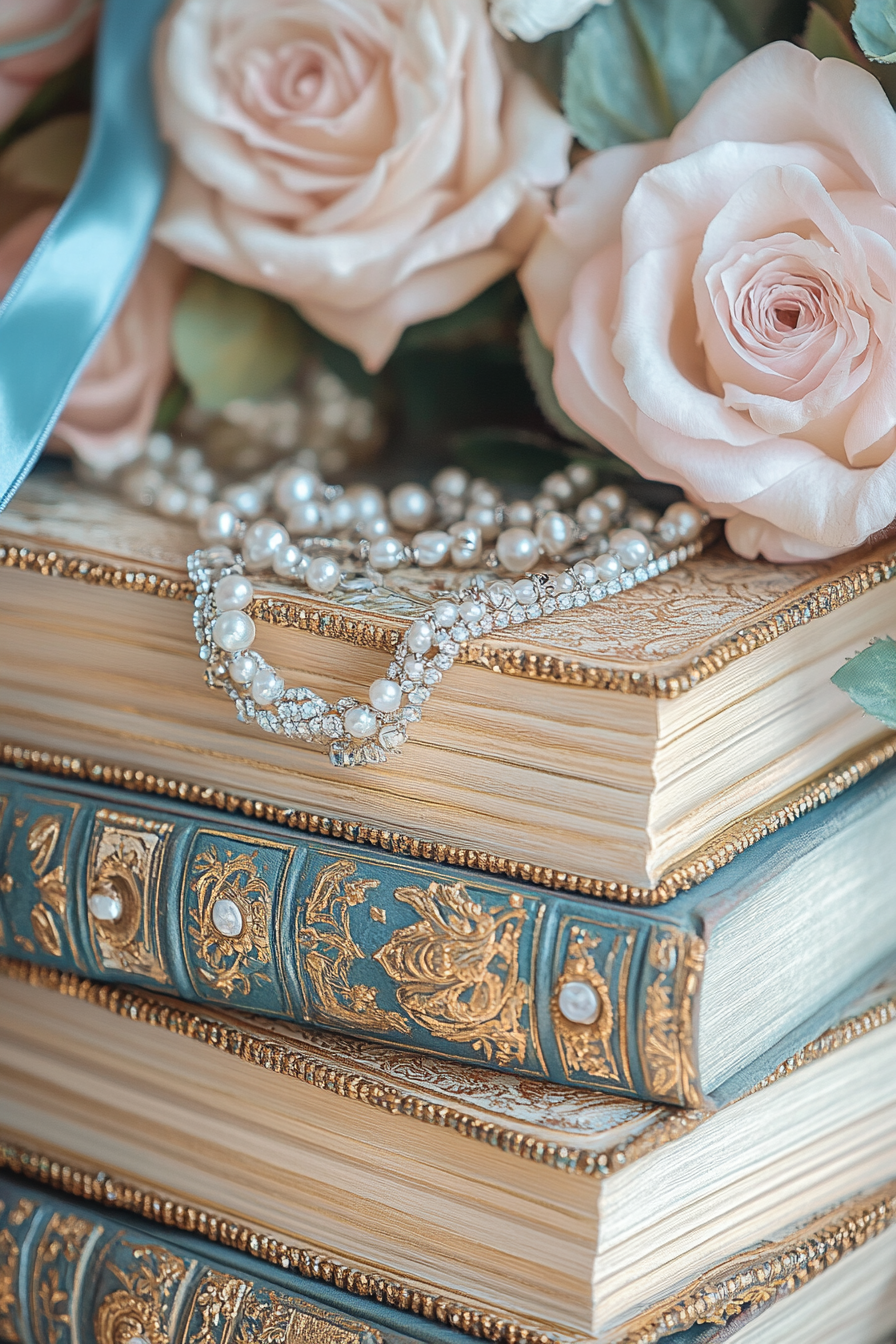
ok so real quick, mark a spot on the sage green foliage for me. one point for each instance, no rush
(874, 24)
(230, 341)
(637, 66)
(824, 36)
(869, 679)
(539, 365)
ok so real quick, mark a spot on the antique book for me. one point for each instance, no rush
(623, 746)
(71, 1271)
(678, 1003)
(445, 1187)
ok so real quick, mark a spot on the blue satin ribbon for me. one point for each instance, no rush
(61, 303)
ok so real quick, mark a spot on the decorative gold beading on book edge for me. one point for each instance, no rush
(516, 662)
(692, 871)
(771, 1272)
(103, 1189)
(292, 1061)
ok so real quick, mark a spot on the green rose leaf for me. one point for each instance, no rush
(870, 680)
(824, 36)
(637, 66)
(230, 341)
(874, 24)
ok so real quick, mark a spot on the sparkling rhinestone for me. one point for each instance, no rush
(411, 714)
(337, 753)
(392, 736)
(663, 564)
(534, 611)
(597, 593)
(502, 620)
(444, 661)
(564, 601)
(450, 648)
(227, 917)
(332, 725)
(419, 696)
(641, 574)
(485, 624)
(614, 587)
(518, 615)
(580, 599)
(628, 579)
(432, 676)
(373, 754)
(460, 633)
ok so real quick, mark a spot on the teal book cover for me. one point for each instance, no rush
(219, 909)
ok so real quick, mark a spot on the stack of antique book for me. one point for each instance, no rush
(578, 1021)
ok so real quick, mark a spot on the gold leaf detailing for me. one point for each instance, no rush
(219, 1300)
(667, 1044)
(309, 1264)
(457, 970)
(141, 1308)
(775, 1271)
(56, 564)
(586, 1046)
(9, 1269)
(60, 1248)
(229, 958)
(742, 835)
(272, 1318)
(49, 914)
(125, 866)
(329, 952)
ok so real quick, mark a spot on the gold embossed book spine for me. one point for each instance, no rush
(173, 898)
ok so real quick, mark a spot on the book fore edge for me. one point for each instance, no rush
(734, 840)
(290, 1060)
(818, 601)
(760, 1277)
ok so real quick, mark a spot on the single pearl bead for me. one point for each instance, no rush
(228, 920)
(247, 500)
(187, 463)
(372, 528)
(519, 514)
(543, 504)
(445, 614)
(642, 520)
(196, 506)
(559, 487)
(525, 592)
(451, 509)
(107, 909)
(410, 506)
(578, 1002)
(267, 686)
(414, 668)
(385, 694)
(608, 567)
(172, 499)
(242, 669)
(323, 574)
(431, 548)
(466, 545)
(483, 494)
(367, 502)
(360, 722)
(233, 630)
(556, 532)
(631, 546)
(562, 583)
(386, 553)
(593, 516)
(470, 612)
(261, 543)
(218, 523)
(583, 477)
(419, 636)
(233, 593)
(294, 485)
(613, 497)
(517, 549)
(451, 481)
(485, 518)
(159, 449)
(308, 519)
(585, 572)
(141, 485)
(342, 513)
(290, 561)
(203, 481)
(688, 520)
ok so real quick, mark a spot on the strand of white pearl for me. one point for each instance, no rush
(428, 649)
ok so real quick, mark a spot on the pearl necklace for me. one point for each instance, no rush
(346, 540)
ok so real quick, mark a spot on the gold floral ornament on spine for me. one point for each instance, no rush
(229, 926)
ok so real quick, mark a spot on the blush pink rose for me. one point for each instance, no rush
(375, 162)
(721, 304)
(114, 403)
(53, 33)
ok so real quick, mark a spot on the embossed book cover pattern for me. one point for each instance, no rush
(383, 948)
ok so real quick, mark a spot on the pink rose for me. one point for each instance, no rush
(721, 304)
(375, 162)
(50, 34)
(114, 403)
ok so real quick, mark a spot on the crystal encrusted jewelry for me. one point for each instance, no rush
(333, 539)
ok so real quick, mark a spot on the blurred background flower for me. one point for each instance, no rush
(38, 38)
